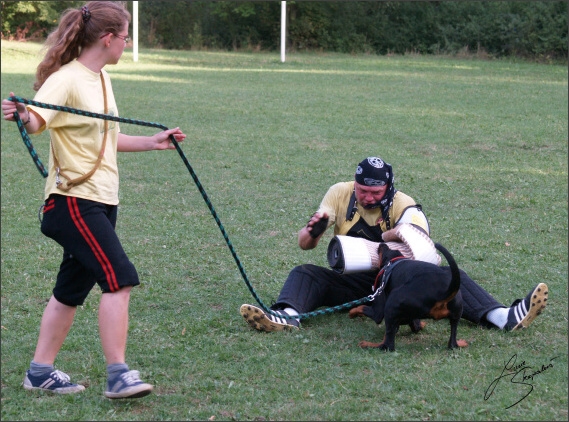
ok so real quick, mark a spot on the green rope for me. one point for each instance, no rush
(205, 197)
(29, 144)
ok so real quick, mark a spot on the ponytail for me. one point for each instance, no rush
(77, 29)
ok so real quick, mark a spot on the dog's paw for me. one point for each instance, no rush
(368, 345)
(417, 325)
(457, 344)
(386, 347)
(357, 312)
(381, 346)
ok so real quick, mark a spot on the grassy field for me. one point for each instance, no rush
(482, 145)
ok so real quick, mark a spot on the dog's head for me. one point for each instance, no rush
(386, 254)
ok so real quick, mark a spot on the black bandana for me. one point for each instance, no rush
(373, 171)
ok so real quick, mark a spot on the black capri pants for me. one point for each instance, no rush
(92, 252)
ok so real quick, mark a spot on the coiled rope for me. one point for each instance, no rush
(205, 197)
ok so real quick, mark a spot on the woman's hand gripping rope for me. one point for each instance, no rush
(9, 108)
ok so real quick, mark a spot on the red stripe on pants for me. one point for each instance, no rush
(93, 244)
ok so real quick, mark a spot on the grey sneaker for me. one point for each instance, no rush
(55, 382)
(127, 385)
(263, 321)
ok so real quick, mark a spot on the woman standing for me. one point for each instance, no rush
(81, 192)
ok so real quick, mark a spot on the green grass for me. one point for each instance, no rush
(482, 145)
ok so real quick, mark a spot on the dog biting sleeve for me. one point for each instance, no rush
(414, 240)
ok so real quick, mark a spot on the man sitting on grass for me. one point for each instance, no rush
(366, 208)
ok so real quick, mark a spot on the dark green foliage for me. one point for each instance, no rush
(532, 29)
(501, 28)
(31, 19)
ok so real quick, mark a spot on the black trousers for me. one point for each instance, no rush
(92, 252)
(309, 287)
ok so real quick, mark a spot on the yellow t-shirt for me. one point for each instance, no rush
(77, 140)
(336, 202)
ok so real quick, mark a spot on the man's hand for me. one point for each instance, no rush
(317, 225)
(310, 234)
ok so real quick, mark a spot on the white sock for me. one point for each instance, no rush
(291, 312)
(498, 317)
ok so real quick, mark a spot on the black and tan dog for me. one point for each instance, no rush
(414, 290)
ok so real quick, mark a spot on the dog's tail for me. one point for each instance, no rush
(455, 273)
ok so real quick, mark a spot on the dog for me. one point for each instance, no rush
(414, 290)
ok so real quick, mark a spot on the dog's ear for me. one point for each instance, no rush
(384, 253)
(382, 248)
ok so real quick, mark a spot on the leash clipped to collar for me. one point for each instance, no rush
(205, 197)
(384, 275)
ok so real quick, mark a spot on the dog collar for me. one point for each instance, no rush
(385, 272)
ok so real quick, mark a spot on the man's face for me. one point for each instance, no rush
(369, 195)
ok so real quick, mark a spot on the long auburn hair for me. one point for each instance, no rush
(77, 29)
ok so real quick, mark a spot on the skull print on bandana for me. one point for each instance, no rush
(373, 171)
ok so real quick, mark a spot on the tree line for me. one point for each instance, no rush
(531, 29)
